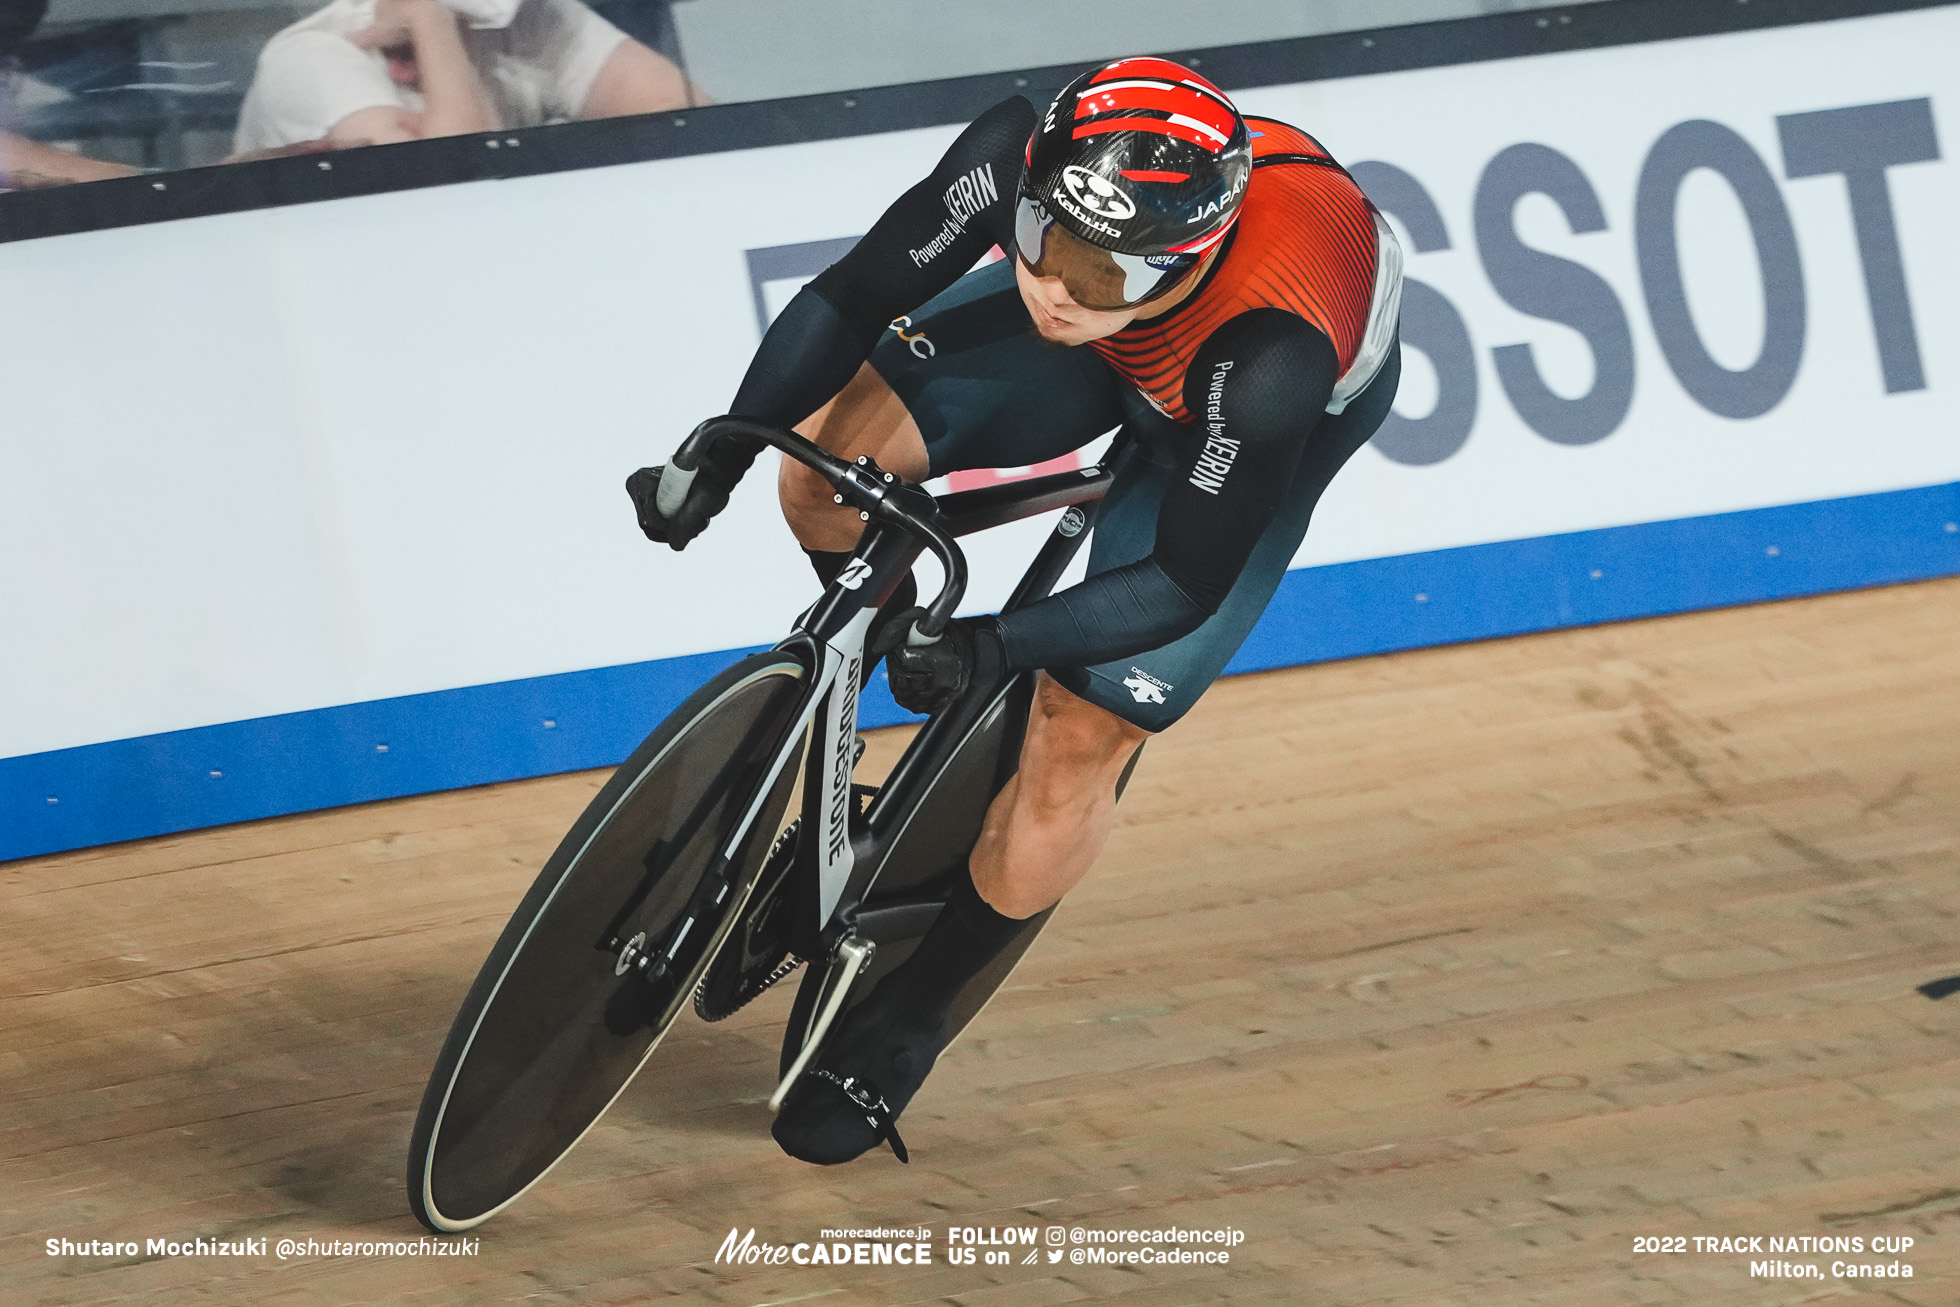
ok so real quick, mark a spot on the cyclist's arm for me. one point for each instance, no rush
(1256, 389)
(924, 242)
(26, 164)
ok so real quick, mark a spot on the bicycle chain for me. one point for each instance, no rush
(863, 795)
(789, 963)
(748, 994)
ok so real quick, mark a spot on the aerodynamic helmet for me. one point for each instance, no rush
(1141, 160)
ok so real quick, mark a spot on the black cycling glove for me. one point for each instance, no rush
(706, 496)
(926, 677)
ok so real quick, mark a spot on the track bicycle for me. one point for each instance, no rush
(689, 879)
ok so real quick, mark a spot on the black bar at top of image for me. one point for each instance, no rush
(714, 129)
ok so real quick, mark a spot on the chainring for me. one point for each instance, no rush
(756, 954)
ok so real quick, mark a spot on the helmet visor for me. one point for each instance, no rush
(1095, 278)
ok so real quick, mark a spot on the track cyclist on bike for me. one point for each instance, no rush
(1238, 297)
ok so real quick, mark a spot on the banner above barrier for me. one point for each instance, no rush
(246, 180)
(327, 488)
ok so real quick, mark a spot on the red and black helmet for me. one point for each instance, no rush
(1142, 158)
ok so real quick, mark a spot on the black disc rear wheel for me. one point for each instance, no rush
(607, 947)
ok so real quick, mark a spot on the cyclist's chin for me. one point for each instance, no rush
(1069, 332)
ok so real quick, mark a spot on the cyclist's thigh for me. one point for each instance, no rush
(863, 418)
(986, 391)
(1154, 689)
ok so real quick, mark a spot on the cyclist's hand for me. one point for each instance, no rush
(705, 497)
(925, 678)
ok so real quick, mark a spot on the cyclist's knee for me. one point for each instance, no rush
(804, 495)
(1074, 747)
(866, 418)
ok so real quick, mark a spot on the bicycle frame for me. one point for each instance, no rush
(610, 968)
(843, 852)
(837, 625)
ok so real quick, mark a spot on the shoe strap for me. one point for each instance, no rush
(866, 1097)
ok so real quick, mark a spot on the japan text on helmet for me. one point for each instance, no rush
(1142, 159)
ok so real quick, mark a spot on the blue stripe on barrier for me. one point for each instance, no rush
(296, 762)
(1608, 575)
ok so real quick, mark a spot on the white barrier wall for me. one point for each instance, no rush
(281, 461)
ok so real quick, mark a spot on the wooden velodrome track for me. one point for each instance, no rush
(1444, 976)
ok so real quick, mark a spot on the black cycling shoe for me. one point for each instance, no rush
(847, 1104)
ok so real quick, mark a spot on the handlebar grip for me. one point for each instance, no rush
(929, 628)
(853, 486)
(678, 475)
(674, 481)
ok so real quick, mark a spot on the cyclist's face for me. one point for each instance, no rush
(1058, 317)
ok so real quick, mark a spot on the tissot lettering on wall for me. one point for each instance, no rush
(1644, 283)
(1567, 292)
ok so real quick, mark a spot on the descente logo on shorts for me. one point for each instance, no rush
(1144, 687)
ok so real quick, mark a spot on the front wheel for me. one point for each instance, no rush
(607, 946)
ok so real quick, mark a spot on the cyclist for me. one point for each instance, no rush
(1238, 297)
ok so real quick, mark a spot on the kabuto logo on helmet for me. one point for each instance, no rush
(1097, 194)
